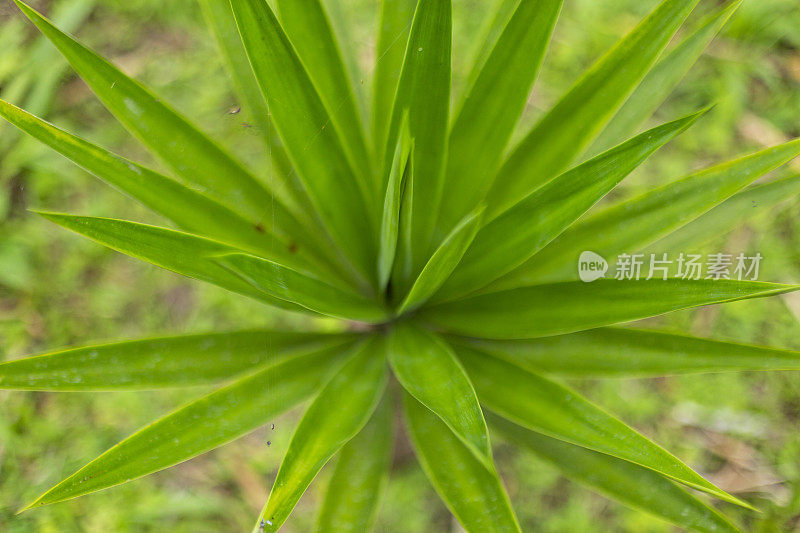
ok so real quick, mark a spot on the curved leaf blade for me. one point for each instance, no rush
(627, 352)
(390, 222)
(307, 24)
(492, 107)
(424, 93)
(473, 493)
(179, 252)
(395, 23)
(341, 409)
(730, 214)
(661, 80)
(519, 233)
(287, 284)
(627, 483)
(547, 407)
(402, 271)
(164, 362)
(444, 260)
(194, 157)
(220, 19)
(430, 372)
(187, 208)
(632, 225)
(200, 426)
(304, 124)
(557, 308)
(560, 136)
(362, 469)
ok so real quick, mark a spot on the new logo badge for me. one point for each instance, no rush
(591, 266)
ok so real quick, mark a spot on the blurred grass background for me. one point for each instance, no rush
(57, 289)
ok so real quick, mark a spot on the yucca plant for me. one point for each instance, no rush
(447, 251)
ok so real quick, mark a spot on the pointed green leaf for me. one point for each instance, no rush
(219, 16)
(550, 408)
(429, 371)
(395, 23)
(402, 272)
(390, 222)
(287, 284)
(730, 214)
(144, 364)
(552, 309)
(625, 352)
(627, 483)
(516, 235)
(362, 469)
(474, 494)
(338, 413)
(492, 107)
(311, 140)
(189, 209)
(424, 92)
(632, 225)
(560, 136)
(194, 157)
(179, 252)
(443, 261)
(493, 27)
(309, 29)
(200, 426)
(661, 80)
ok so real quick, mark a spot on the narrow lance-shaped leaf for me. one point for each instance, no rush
(307, 25)
(661, 80)
(493, 26)
(179, 252)
(474, 494)
(629, 226)
(283, 180)
(311, 140)
(194, 157)
(627, 483)
(287, 284)
(395, 23)
(730, 214)
(424, 90)
(344, 24)
(160, 362)
(560, 136)
(492, 107)
(189, 209)
(429, 371)
(362, 469)
(443, 261)
(553, 309)
(200, 426)
(340, 410)
(390, 222)
(516, 235)
(550, 408)
(219, 16)
(402, 276)
(627, 352)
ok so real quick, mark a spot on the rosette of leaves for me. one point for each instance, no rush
(452, 245)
